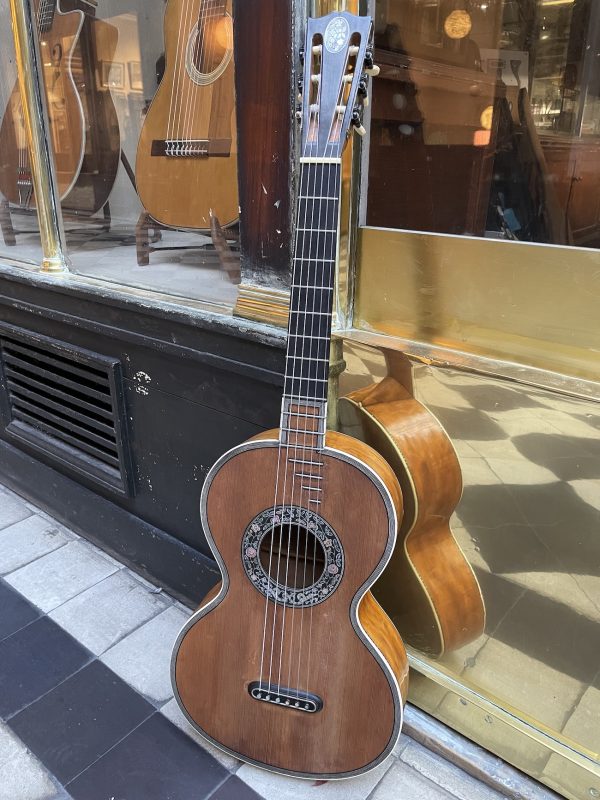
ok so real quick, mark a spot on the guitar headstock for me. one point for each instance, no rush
(338, 58)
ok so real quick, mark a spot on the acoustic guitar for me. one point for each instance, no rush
(186, 165)
(429, 588)
(292, 665)
(84, 130)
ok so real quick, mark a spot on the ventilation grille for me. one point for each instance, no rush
(66, 402)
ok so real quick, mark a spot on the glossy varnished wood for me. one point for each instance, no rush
(429, 588)
(319, 649)
(185, 192)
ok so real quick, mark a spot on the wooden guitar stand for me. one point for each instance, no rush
(226, 244)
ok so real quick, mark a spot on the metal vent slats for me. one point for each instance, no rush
(66, 401)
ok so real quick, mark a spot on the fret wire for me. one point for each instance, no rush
(306, 277)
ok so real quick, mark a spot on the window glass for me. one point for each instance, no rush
(485, 119)
(19, 232)
(141, 105)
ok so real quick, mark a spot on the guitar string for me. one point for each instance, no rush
(337, 120)
(217, 10)
(278, 469)
(188, 83)
(203, 48)
(320, 405)
(173, 100)
(195, 50)
(306, 374)
(298, 279)
(308, 148)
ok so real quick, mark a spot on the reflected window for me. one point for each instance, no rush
(485, 119)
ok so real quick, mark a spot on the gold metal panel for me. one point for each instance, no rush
(532, 304)
(528, 522)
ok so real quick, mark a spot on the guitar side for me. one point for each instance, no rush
(429, 589)
(185, 192)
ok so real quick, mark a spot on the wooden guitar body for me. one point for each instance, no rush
(429, 588)
(341, 651)
(194, 109)
(83, 124)
(65, 113)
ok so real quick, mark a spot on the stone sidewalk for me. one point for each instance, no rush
(85, 714)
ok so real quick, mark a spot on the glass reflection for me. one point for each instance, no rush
(528, 522)
(18, 219)
(486, 119)
(147, 178)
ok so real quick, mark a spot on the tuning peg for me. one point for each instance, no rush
(363, 89)
(301, 55)
(357, 123)
(370, 68)
(298, 114)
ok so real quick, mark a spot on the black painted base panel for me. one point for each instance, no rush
(183, 571)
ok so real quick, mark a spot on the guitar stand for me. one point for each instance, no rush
(10, 233)
(6, 226)
(148, 232)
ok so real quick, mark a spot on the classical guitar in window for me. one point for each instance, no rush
(83, 125)
(186, 165)
(291, 664)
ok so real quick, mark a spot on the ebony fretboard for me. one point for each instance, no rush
(311, 300)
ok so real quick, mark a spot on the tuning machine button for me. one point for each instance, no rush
(357, 122)
(363, 89)
(371, 68)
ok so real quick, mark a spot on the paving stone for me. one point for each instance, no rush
(446, 775)
(28, 540)
(24, 778)
(73, 725)
(15, 611)
(102, 615)
(12, 508)
(172, 712)
(143, 658)
(280, 787)
(59, 576)
(404, 783)
(155, 762)
(235, 789)
(33, 661)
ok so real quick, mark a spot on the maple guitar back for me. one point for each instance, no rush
(429, 588)
(83, 125)
(186, 165)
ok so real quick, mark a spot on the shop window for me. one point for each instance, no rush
(484, 144)
(141, 108)
(18, 219)
(490, 112)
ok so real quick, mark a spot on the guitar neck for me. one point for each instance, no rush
(46, 11)
(304, 407)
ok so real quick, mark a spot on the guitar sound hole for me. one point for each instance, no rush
(297, 554)
(211, 44)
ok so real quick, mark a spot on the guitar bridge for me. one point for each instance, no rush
(286, 698)
(24, 187)
(191, 148)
